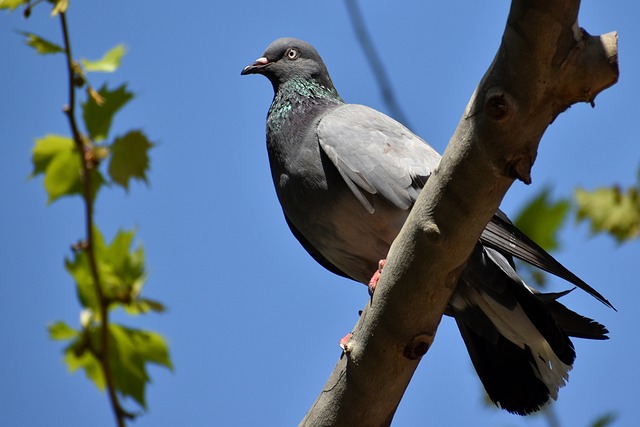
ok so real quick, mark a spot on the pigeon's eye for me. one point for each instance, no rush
(292, 53)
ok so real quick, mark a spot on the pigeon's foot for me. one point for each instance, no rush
(344, 342)
(376, 277)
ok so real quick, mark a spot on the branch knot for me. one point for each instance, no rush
(498, 105)
(418, 346)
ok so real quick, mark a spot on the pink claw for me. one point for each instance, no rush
(344, 341)
(376, 276)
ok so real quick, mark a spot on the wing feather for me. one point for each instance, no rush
(376, 154)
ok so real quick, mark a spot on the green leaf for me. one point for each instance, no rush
(118, 251)
(542, 218)
(60, 7)
(130, 351)
(98, 117)
(121, 270)
(42, 46)
(61, 331)
(46, 148)
(144, 305)
(56, 157)
(81, 354)
(610, 210)
(11, 4)
(80, 270)
(63, 175)
(108, 63)
(130, 158)
(605, 420)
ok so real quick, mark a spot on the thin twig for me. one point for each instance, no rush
(550, 414)
(366, 43)
(87, 165)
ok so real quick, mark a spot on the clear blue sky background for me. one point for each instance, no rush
(253, 322)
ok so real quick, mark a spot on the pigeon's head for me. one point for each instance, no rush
(287, 59)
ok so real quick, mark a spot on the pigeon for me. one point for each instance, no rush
(347, 177)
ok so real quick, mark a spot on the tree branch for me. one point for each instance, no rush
(87, 164)
(545, 64)
(372, 57)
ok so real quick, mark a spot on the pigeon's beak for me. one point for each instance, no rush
(256, 67)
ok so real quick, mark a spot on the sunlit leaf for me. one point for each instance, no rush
(56, 157)
(80, 270)
(130, 158)
(118, 251)
(542, 218)
(11, 4)
(61, 331)
(95, 96)
(79, 355)
(605, 420)
(144, 305)
(152, 347)
(123, 268)
(611, 210)
(63, 176)
(46, 148)
(121, 271)
(60, 7)
(108, 63)
(130, 352)
(42, 46)
(98, 117)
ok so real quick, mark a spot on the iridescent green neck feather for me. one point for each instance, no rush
(299, 93)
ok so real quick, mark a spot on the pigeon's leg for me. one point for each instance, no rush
(344, 341)
(376, 277)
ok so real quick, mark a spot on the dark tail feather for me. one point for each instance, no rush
(502, 235)
(520, 352)
(572, 323)
(507, 371)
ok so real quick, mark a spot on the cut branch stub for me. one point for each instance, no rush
(554, 66)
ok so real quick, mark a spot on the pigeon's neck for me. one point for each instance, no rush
(300, 95)
(307, 88)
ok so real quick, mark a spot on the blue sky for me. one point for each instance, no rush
(253, 322)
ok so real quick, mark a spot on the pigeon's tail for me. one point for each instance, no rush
(572, 323)
(517, 339)
(502, 235)
(510, 374)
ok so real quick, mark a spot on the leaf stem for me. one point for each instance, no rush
(87, 165)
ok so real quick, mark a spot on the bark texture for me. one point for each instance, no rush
(545, 63)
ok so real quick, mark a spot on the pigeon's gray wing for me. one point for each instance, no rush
(375, 154)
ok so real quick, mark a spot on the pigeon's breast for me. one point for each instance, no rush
(316, 200)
